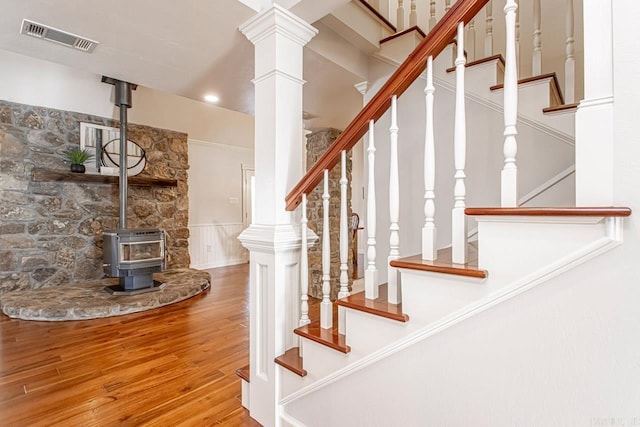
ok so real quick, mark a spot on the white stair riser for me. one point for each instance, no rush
(368, 332)
(512, 247)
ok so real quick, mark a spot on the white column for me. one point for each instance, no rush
(509, 177)
(326, 308)
(394, 292)
(537, 40)
(273, 239)
(458, 218)
(413, 15)
(400, 15)
(429, 228)
(488, 39)
(594, 119)
(569, 63)
(304, 267)
(432, 14)
(371, 273)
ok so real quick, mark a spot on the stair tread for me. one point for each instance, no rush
(550, 211)
(497, 57)
(292, 361)
(380, 306)
(328, 337)
(555, 85)
(403, 32)
(443, 264)
(559, 108)
(244, 373)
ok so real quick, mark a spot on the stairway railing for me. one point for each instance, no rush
(443, 33)
(482, 30)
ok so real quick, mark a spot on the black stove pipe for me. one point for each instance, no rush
(122, 101)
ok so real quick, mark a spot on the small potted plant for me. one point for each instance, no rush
(78, 157)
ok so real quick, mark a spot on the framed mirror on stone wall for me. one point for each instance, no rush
(103, 142)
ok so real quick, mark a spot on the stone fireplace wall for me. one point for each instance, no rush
(51, 232)
(317, 143)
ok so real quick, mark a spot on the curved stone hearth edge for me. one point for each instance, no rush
(90, 301)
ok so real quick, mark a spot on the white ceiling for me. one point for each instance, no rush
(186, 47)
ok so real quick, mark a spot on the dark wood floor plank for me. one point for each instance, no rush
(171, 366)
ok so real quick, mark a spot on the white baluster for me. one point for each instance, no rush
(488, 39)
(471, 40)
(326, 308)
(371, 273)
(458, 219)
(304, 267)
(447, 5)
(394, 291)
(537, 40)
(432, 14)
(509, 179)
(400, 15)
(413, 15)
(344, 230)
(429, 229)
(344, 244)
(569, 64)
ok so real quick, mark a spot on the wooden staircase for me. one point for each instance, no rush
(518, 248)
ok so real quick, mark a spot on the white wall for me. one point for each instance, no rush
(215, 203)
(220, 141)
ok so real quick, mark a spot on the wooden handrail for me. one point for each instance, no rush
(407, 72)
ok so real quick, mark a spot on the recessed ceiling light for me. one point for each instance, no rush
(211, 98)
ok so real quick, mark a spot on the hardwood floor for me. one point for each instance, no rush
(174, 365)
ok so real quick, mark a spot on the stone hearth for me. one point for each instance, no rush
(89, 300)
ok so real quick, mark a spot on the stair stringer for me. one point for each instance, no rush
(294, 406)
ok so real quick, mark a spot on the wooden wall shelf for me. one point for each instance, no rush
(56, 175)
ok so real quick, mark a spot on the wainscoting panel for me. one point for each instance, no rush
(216, 245)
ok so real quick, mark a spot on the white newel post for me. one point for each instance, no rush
(371, 273)
(569, 63)
(488, 39)
(429, 228)
(537, 39)
(594, 119)
(458, 218)
(394, 292)
(509, 177)
(273, 240)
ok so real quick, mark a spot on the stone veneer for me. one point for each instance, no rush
(317, 144)
(51, 232)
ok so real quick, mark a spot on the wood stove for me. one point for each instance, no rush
(134, 255)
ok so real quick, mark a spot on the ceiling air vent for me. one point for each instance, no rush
(45, 32)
